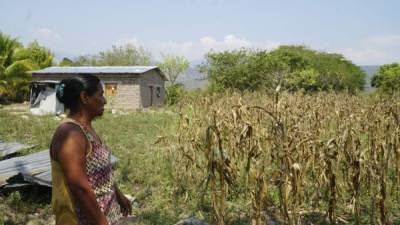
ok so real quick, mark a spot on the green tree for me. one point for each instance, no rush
(292, 67)
(7, 50)
(65, 62)
(387, 79)
(337, 73)
(38, 55)
(86, 60)
(15, 63)
(233, 69)
(173, 66)
(306, 79)
(124, 55)
(311, 70)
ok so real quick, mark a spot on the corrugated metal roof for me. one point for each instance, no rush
(47, 81)
(34, 168)
(9, 148)
(44, 178)
(96, 69)
(30, 164)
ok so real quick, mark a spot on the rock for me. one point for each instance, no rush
(192, 221)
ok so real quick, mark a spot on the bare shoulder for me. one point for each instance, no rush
(67, 133)
(68, 130)
(68, 127)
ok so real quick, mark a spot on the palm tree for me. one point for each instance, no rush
(16, 61)
(7, 47)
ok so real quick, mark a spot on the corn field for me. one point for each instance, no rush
(291, 156)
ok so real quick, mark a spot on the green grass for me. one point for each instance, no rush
(142, 171)
(31, 204)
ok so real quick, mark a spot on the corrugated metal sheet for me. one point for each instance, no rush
(96, 69)
(30, 164)
(34, 168)
(10, 148)
(43, 178)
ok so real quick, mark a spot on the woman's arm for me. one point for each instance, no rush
(72, 157)
(124, 203)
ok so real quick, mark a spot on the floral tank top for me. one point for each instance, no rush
(99, 173)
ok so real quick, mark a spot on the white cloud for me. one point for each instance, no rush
(179, 48)
(390, 40)
(208, 41)
(365, 56)
(229, 42)
(267, 44)
(374, 50)
(125, 41)
(195, 50)
(233, 41)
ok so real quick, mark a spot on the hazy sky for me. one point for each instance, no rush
(365, 31)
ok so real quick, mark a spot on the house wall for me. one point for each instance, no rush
(128, 90)
(151, 78)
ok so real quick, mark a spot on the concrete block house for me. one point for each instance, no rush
(125, 87)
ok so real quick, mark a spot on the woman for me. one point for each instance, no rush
(83, 189)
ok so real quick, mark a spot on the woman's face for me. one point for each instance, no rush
(97, 101)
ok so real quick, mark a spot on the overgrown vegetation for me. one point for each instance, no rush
(175, 93)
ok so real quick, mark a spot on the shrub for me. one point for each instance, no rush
(175, 92)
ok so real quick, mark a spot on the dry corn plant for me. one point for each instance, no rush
(334, 155)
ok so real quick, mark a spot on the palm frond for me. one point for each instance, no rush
(19, 70)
